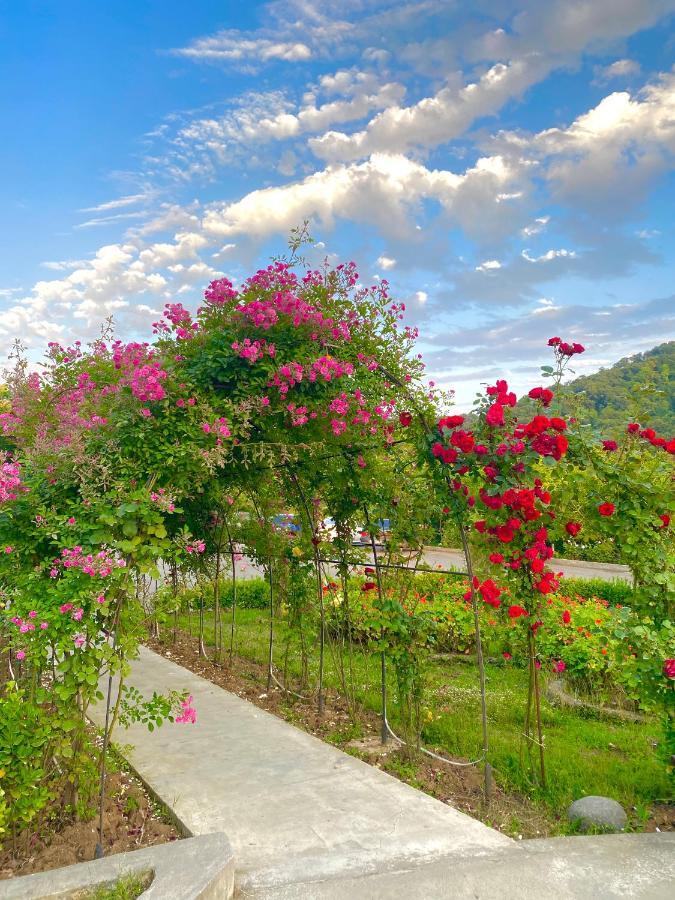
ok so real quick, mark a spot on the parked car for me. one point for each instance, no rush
(287, 522)
(361, 538)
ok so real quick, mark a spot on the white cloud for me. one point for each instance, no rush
(421, 296)
(204, 144)
(232, 46)
(111, 220)
(538, 42)
(535, 227)
(490, 265)
(62, 265)
(622, 68)
(549, 255)
(606, 160)
(381, 192)
(120, 202)
(385, 262)
(433, 120)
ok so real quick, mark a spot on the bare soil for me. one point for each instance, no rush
(131, 821)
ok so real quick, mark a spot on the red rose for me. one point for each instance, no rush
(495, 415)
(610, 446)
(496, 558)
(537, 565)
(669, 668)
(553, 342)
(567, 616)
(516, 611)
(506, 655)
(670, 447)
(633, 428)
(665, 518)
(573, 528)
(578, 348)
(490, 593)
(558, 424)
(368, 586)
(607, 509)
(405, 419)
(505, 534)
(450, 422)
(448, 455)
(547, 585)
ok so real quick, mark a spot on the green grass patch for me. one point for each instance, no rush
(585, 754)
(128, 887)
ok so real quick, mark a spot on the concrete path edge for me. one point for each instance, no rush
(197, 868)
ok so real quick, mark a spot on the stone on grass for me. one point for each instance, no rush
(597, 812)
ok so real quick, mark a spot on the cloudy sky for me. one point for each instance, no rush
(507, 166)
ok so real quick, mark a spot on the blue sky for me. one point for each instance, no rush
(507, 166)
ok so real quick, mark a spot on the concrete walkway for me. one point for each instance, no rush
(307, 821)
(294, 808)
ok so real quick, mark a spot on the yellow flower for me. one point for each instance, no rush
(296, 551)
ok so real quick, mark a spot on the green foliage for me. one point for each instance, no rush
(252, 593)
(44, 753)
(128, 887)
(614, 592)
(645, 380)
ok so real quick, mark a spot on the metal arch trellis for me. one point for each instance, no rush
(387, 730)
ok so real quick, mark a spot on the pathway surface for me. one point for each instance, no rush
(308, 822)
(295, 809)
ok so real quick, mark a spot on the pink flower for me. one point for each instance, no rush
(559, 666)
(71, 520)
(9, 549)
(146, 412)
(20, 654)
(77, 615)
(189, 713)
(43, 625)
(79, 640)
(66, 607)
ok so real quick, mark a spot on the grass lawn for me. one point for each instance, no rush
(584, 754)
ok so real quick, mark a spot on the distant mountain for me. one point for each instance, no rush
(639, 388)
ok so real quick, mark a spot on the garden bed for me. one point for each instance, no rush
(132, 820)
(587, 755)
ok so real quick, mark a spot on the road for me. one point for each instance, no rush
(571, 568)
(446, 558)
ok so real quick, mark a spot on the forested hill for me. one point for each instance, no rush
(643, 382)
